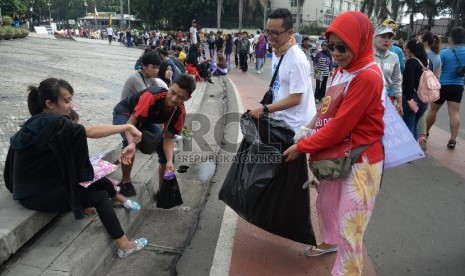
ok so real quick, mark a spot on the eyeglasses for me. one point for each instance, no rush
(341, 48)
(273, 34)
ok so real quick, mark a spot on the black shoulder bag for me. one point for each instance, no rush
(461, 69)
(268, 97)
(149, 141)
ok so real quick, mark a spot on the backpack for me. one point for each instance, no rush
(429, 86)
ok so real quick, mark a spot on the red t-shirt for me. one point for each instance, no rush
(150, 110)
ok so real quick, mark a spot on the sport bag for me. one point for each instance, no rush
(429, 86)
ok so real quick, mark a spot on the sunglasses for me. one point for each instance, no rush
(341, 48)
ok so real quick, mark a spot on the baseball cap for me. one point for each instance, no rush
(194, 21)
(391, 23)
(384, 29)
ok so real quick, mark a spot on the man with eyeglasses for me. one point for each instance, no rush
(293, 99)
(147, 110)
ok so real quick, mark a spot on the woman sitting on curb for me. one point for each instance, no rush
(49, 156)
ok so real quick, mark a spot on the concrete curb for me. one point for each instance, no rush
(224, 247)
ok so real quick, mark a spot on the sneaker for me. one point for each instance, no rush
(131, 205)
(127, 189)
(422, 143)
(140, 244)
(451, 144)
(314, 251)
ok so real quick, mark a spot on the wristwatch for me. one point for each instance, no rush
(265, 109)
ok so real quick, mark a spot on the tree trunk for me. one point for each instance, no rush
(457, 20)
(218, 14)
(411, 25)
(265, 14)
(299, 13)
(241, 8)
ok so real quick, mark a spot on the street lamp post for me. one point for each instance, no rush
(85, 5)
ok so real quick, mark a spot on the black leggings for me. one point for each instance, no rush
(96, 195)
(243, 58)
(320, 90)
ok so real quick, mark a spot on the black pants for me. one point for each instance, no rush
(96, 195)
(243, 59)
(320, 90)
(236, 59)
(204, 71)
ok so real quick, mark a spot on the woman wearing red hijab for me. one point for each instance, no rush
(345, 205)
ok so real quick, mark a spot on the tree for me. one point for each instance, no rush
(379, 11)
(300, 4)
(218, 14)
(241, 10)
(430, 9)
(412, 9)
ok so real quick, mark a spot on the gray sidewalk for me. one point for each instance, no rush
(69, 247)
(96, 72)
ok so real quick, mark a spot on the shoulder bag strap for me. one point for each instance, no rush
(455, 55)
(169, 121)
(143, 79)
(422, 66)
(276, 72)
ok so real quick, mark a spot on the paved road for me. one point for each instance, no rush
(96, 72)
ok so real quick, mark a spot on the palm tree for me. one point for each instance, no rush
(412, 9)
(300, 4)
(241, 10)
(379, 11)
(218, 14)
(430, 9)
(458, 8)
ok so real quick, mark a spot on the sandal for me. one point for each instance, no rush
(140, 244)
(314, 251)
(131, 205)
(451, 144)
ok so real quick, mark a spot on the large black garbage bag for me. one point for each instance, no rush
(264, 189)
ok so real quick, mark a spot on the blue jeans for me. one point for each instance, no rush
(259, 64)
(121, 119)
(410, 118)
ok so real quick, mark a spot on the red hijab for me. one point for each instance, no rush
(355, 29)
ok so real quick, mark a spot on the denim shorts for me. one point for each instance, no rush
(121, 119)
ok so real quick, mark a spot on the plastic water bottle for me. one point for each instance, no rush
(168, 175)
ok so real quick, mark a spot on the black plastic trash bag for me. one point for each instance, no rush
(169, 195)
(264, 189)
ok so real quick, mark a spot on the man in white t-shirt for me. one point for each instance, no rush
(110, 34)
(293, 99)
(193, 32)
